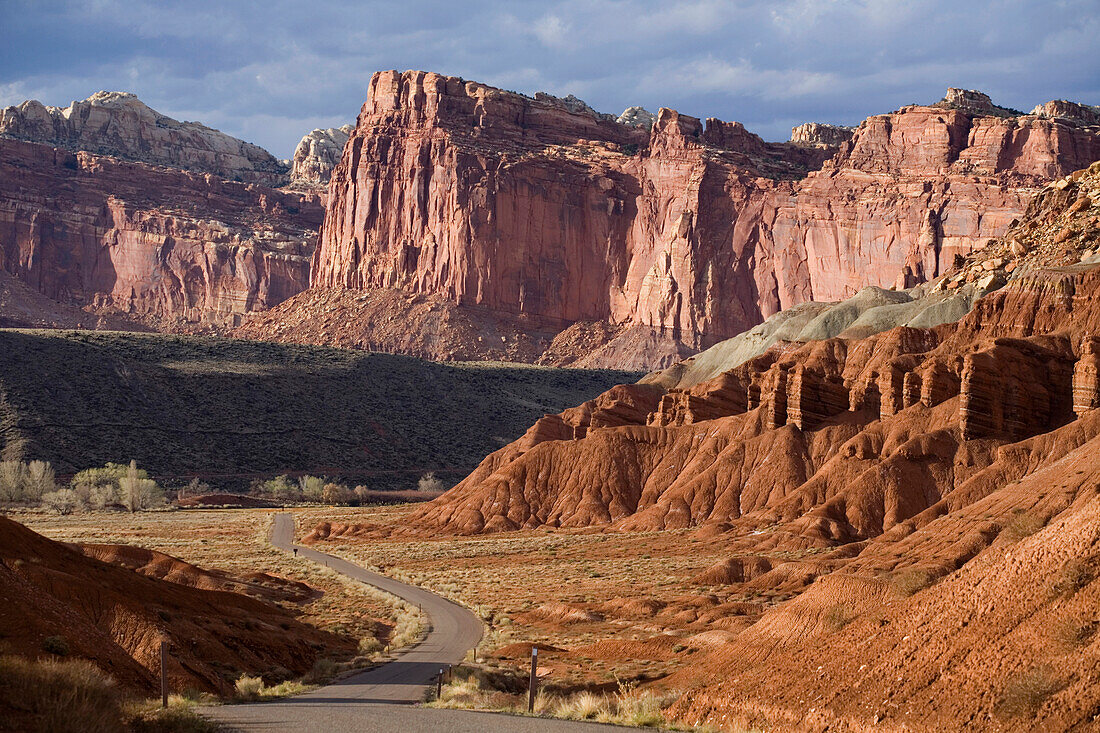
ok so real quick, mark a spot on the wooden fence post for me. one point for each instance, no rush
(163, 674)
(533, 684)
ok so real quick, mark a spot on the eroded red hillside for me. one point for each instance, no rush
(114, 605)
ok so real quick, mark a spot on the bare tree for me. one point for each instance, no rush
(430, 483)
(12, 474)
(40, 480)
(137, 493)
(64, 501)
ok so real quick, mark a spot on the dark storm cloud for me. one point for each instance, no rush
(270, 71)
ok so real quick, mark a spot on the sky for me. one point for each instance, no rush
(269, 72)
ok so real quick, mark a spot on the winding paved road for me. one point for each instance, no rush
(378, 699)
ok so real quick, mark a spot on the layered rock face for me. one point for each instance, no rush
(167, 246)
(699, 231)
(120, 124)
(317, 155)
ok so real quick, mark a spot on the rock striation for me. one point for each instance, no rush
(317, 155)
(170, 247)
(119, 124)
(697, 230)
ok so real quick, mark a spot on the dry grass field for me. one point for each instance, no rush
(234, 541)
(621, 607)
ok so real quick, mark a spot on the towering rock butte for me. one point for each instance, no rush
(121, 125)
(317, 155)
(697, 230)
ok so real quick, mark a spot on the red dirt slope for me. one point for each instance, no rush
(116, 617)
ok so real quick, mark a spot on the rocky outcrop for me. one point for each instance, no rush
(819, 134)
(697, 230)
(637, 117)
(167, 246)
(1084, 113)
(973, 102)
(317, 155)
(1086, 378)
(121, 125)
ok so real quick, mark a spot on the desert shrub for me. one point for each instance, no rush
(58, 695)
(63, 501)
(1070, 632)
(248, 688)
(40, 479)
(1025, 694)
(583, 706)
(1022, 524)
(407, 626)
(323, 671)
(369, 645)
(911, 581)
(176, 718)
(430, 482)
(12, 474)
(839, 616)
(194, 487)
(336, 494)
(312, 488)
(139, 493)
(56, 645)
(638, 709)
(1075, 575)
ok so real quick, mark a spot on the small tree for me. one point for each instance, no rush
(100, 496)
(362, 494)
(63, 501)
(138, 493)
(335, 494)
(40, 480)
(12, 474)
(281, 488)
(312, 487)
(430, 483)
(193, 488)
(102, 486)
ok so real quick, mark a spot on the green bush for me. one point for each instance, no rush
(56, 645)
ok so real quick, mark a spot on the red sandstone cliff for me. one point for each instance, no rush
(531, 206)
(165, 245)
